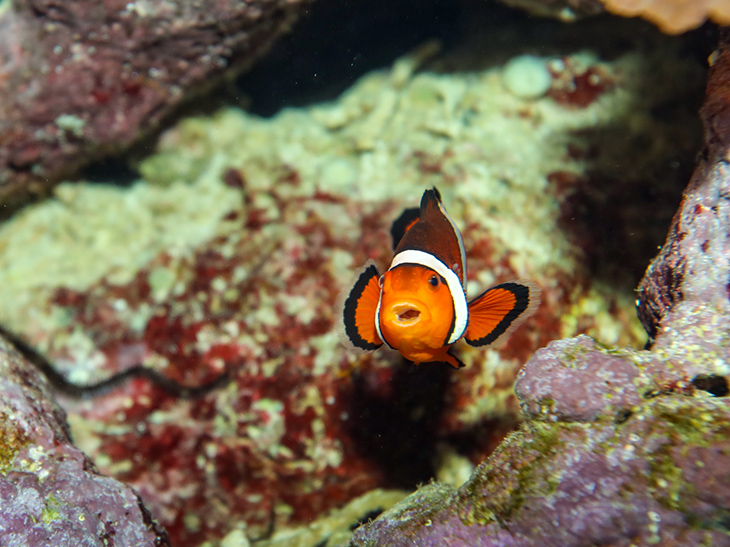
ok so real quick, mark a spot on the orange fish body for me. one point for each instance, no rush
(419, 305)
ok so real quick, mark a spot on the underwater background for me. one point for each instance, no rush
(193, 186)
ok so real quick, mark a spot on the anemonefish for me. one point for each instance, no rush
(419, 305)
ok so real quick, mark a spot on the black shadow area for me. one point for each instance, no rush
(339, 41)
(397, 430)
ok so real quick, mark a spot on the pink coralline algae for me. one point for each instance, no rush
(84, 79)
(50, 492)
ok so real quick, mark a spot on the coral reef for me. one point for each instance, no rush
(50, 493)
(231, 251)
(89, 78)
(618, 447)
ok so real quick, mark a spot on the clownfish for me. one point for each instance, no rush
(419, 305)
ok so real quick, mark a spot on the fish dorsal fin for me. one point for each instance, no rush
(435, 233)
(403, 223)
(500, 310)
(360, 310)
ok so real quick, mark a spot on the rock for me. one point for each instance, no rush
(689, 277)
(86, 79)
(573, 380)
(50, 493)
(584, 474)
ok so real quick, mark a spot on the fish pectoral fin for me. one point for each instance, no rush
(403, 223)
(360, 310)
(500, 310)
(446, 357)
(453, 360)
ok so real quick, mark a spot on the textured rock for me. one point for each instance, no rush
(83, 79)
(692, 270)
(50, 493)
(656, 472)
(573, 380)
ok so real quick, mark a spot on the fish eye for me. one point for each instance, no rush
(434, 280)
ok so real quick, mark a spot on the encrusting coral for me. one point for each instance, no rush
(673, 16)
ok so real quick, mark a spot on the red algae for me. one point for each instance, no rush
(575, 85)
(287, 417)
(303, 427)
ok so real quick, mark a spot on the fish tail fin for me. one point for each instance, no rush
(445, 356)
(500, 310)
(359, 311)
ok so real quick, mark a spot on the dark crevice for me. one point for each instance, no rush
(712, 383)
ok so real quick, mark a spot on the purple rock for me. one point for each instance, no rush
(574, 380)
(50, 493)
(656, 476)
(82, 79)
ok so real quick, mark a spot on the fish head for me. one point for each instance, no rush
(416, 307)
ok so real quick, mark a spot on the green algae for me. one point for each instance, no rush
(12, 439)
(573, 352)
(686, 426)
(520, 468)
(520, 464)
(50, 510)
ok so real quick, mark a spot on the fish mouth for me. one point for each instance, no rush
(406, 314)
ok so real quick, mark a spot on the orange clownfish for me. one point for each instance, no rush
(419, 305)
